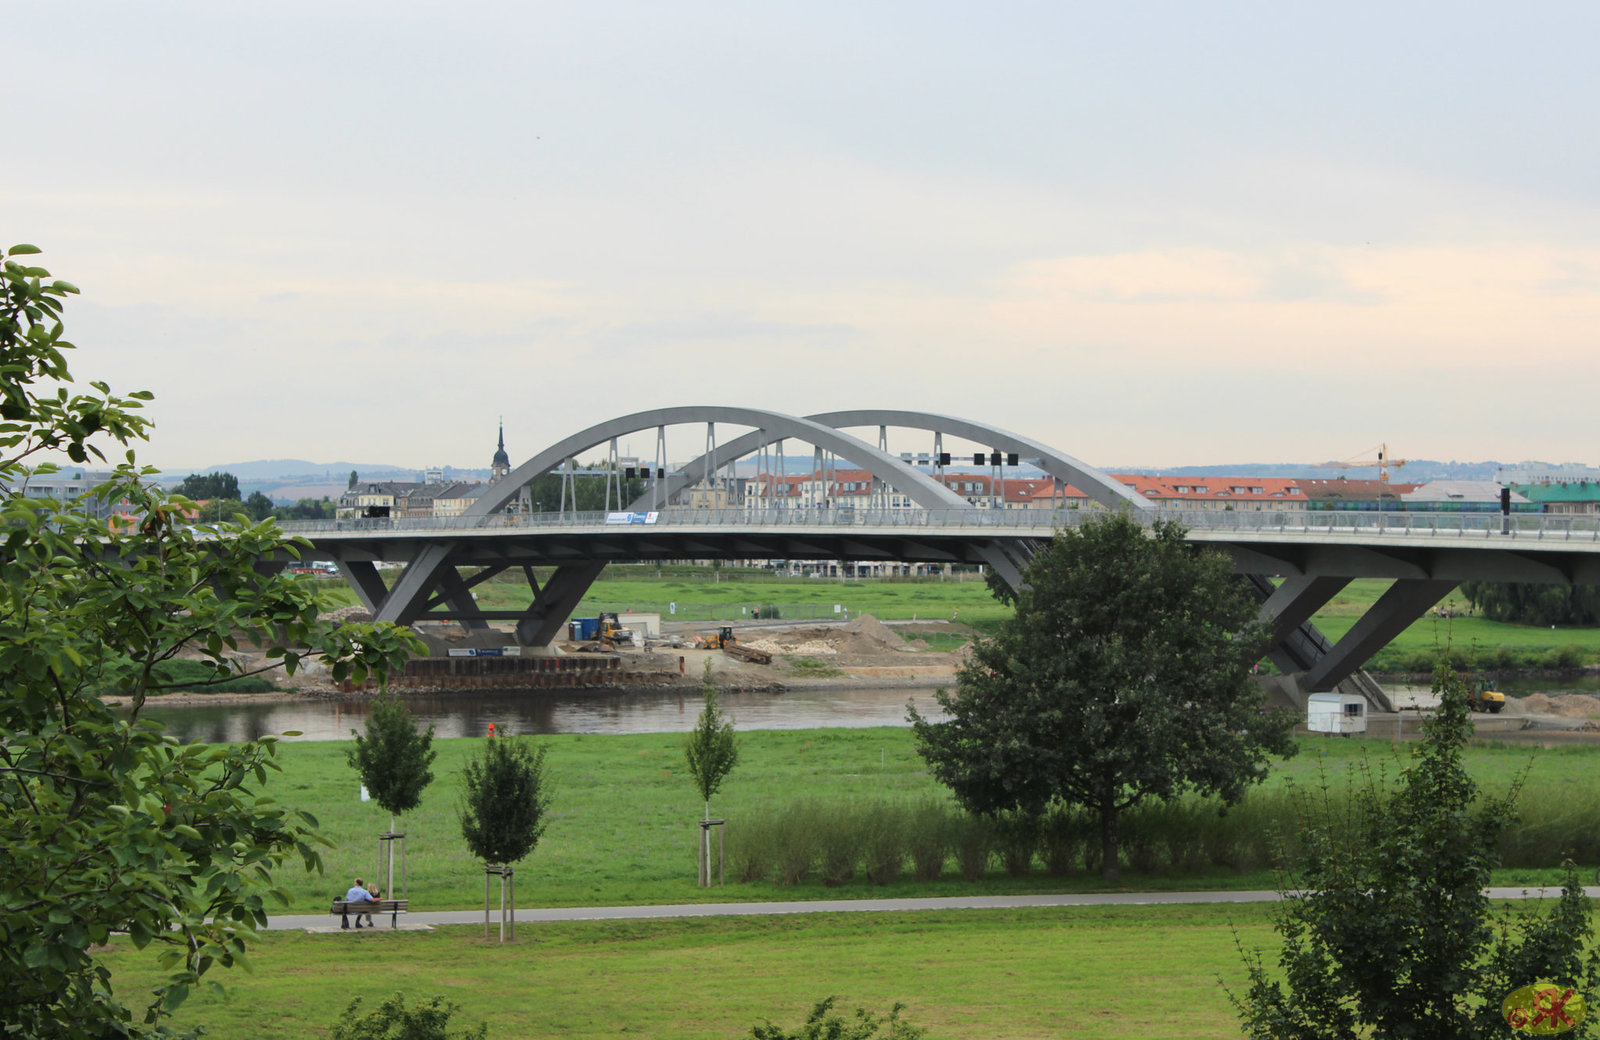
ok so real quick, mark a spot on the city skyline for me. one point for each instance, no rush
(1164, 235)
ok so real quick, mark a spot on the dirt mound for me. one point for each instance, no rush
(343, 614)
(808, 647)
(874, 632)
(1567, 705)
(862, 636)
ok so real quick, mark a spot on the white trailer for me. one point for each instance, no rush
(1336, 713)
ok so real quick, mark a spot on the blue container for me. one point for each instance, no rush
(585, 627)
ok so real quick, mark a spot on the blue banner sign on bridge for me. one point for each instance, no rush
(485, 651)
(631, 518)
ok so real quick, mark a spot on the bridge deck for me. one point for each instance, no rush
(1521, 547)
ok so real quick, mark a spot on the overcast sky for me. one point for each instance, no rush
(1148, 234)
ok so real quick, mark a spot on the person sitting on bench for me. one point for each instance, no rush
(357, 894)
(377, 894)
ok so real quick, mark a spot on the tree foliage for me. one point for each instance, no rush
(209, 486)
(1523, 604)
(393, 1020)
(589, 490)
(1124, 675)
(505, 804)
(711, 750)
(393, 757)
(106, 823)
(307, 509)
(1387, 931)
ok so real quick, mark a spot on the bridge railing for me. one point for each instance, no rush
(1039, 522)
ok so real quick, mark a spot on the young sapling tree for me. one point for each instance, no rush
(712, 752)
(393, 760)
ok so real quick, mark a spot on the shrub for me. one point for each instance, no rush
(1017, 836)
(1062, 833)
(884, 842)
(929, 839)
(392, 1020)
(794, 852)
(839, 838)
(863, 1025)
(812, 667)
(974, 843)
(751, 847)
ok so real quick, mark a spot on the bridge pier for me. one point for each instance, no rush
(1404, 602)
(554, 603)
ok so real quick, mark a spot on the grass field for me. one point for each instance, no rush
(1089, 973)
(724, 593)
(624, 830)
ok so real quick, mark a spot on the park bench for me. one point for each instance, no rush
(393, 907)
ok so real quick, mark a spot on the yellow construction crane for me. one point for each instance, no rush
(1383, 462)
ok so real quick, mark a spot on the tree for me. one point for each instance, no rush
(209, 486)
(712, 752)
(589, 491)
(258, 506)
(1387, 931)
(504, 809)
(1123, 675)
(354, 478)
(106, 823)
(393, 761)
(1535, 604)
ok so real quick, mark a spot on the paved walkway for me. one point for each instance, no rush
(327, 922)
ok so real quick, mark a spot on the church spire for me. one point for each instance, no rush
(502, 462)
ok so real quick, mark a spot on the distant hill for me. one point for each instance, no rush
(278, 469)
(289, 480)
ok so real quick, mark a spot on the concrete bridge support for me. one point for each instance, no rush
(555, 602)
(1406, 600)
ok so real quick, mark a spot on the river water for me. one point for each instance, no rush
(469, 713)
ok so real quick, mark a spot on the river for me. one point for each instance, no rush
(469, 713)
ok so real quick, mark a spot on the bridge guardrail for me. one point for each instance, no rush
(1038, 521)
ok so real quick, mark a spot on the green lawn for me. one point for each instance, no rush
(624, 832)
(624, 829)
(1090, 973)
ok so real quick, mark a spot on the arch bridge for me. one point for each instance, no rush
(1317, 553)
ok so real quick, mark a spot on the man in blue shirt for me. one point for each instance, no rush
(358, 894)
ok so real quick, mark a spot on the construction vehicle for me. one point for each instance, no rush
(611, 632)
(721, 639)
(1481, 698)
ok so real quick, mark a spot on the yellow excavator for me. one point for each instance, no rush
(720, 639)
(1481, 698)
(611, 631)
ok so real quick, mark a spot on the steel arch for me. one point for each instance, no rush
(1097, 485)
(405, 600)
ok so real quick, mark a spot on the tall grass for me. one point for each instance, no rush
(837, 841)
